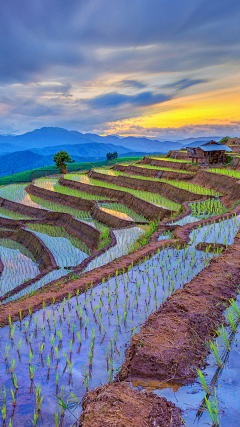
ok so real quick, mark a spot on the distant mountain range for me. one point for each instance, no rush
(36, 149)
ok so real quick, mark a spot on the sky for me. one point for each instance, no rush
(155, 68)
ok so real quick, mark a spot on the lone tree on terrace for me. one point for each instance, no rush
(61, 159)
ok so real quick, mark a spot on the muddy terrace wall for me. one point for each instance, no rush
(111, 220)
(153, 173)
(62, 199)
(34, 244)
(168, 164)
(79, 229)
(78, 203)
(222, 183)
(23, 209)
(148, 210)
(178, 195)
(176, 154)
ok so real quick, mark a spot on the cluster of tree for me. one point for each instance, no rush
(111, 156)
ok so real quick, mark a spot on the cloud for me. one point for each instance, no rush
(58, 57)
(209, 129)
(30, 108)
(131, 83)
(115, 99)
(184, 84)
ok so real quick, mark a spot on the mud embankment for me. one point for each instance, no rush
(179, 155)
(119, 406)
(222, 183)
(23, 209)
(38, 249)
(227, 185)
(153, 173)
(169, 164)
(90, 206)
(148, 210)
(79, 229)
(59, 198)
(178, 195)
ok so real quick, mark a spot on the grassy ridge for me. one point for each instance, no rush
(51, 170)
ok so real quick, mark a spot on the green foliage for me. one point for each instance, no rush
(224, 140)
(228, 159)
(105, 239)
(61, 158)
(111, 156)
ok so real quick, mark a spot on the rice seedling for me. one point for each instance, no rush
(235, 308)
(215, 350)
(212, 406)
(222, 333)
(231, 319)
(228, 172)
(153, 198)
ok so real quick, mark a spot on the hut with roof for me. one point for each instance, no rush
(208, 152)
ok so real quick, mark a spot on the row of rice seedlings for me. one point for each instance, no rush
(228, 172)
(181, 184)
(197, 189)
(170, 160)
(207, 208)
(225, 338)
(120, 209)
(145, 178)
(153, 198)
(6, 213)
(202, 209)
(126, 239)
(19, 265)
(159, 168)
(217, 232)
(52, 185)
(67, 250)
(31, 289)
(59, 352)
(17, 193)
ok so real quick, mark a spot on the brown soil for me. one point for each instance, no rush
(154, 173)
(178, 195)
(173, 341)
(222, 183)
(210, 247)
(116, 405)
(179, 155)
(170, 164)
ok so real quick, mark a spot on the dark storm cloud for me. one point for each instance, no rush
(115, 99)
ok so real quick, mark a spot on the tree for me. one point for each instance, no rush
(61, 159)
(111, 156)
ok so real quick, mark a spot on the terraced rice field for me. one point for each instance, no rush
(155, 199)
(79, 311)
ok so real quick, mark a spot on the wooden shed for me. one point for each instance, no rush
(208, 152)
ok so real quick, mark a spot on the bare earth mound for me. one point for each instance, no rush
(119, 406)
